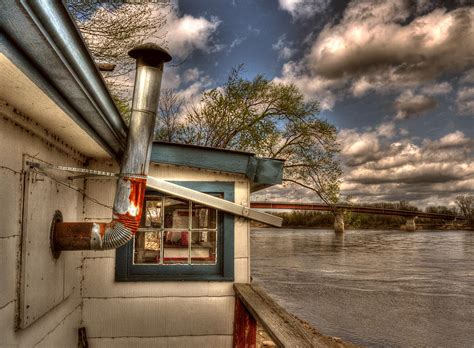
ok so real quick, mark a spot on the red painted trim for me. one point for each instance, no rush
(245, 327)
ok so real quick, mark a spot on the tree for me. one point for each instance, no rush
(270, 119)
(465, 204)
(169, 127)
(111, 29)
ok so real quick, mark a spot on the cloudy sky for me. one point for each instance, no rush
(395, 77)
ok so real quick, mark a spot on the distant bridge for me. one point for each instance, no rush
(339, 221)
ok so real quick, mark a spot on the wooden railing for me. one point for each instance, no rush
(254, 305)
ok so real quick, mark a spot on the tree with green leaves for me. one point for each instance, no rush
(270, 119)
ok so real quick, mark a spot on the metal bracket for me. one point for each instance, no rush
(87, 172)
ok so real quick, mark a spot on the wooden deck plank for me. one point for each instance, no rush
(280, 326)
(285, 329)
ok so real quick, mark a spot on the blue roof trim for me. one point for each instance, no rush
(42, 40)
(262, 172)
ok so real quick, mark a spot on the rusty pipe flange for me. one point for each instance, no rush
(58, 217)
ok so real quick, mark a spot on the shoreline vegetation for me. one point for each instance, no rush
(325, 220)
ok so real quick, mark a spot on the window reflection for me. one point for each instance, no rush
(203, 217)
(153, 213)
(147, 247)
(176, 213)
(204, 247)
(176, 231)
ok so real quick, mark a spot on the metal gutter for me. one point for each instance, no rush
(13, 53)
(48, 39)
(213, 202)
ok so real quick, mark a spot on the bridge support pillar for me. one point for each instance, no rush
(410, 225)
(339, 222)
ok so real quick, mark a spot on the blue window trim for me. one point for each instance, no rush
(126, 271)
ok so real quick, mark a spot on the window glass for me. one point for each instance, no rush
(147, 247)
(203, 217)
(203, 247)
(176, 213)
(176, 247)
(176, 231)
(153, 213)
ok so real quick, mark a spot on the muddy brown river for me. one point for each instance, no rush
(373, 288)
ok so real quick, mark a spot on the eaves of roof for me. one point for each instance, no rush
(261, 172)
(41, 38)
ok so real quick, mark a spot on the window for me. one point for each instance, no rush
(181, 240)
(175, 231)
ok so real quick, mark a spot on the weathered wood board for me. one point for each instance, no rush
(284, 329)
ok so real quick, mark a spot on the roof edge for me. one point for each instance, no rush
(59, 29)
(261, 172)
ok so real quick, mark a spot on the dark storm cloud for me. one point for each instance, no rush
(371, 40)
(429, 174)
(380, 45)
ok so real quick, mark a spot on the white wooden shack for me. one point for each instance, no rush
(172, 285)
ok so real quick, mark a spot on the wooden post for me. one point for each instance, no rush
(245, 327)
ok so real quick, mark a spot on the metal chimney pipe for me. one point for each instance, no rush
(131, 185)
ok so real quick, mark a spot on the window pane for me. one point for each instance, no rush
(147, 247)
(176, 213)
(153, 213)
(203, 247)
(203, 217)
(176, 247)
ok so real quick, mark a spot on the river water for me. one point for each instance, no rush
(373, 288)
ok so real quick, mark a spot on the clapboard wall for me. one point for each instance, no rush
(20, 138)
(168, 314)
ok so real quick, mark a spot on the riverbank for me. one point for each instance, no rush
(257, 225)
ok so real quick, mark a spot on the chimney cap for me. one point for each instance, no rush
(151, 53)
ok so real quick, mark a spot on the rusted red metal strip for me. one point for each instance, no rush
(245, 327)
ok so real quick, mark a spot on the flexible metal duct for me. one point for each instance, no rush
(131, 185)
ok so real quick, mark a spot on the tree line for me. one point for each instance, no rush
(314, 219)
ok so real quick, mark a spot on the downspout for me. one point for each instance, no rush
(131, 185)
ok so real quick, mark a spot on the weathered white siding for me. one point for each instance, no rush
(118, 314)
(168, 314)
(58, 326)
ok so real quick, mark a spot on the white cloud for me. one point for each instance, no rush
(285, 52)
(191, 75)
(172, 78)
(379, 169)
(437, 88)
(468, 77)
(241, 38)
(456, 138)
(304, 8)
(465, 101)
(188, 33)
(311, 87)
(409, 104)
(433, 172)
(386, 129)
(236, 42)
